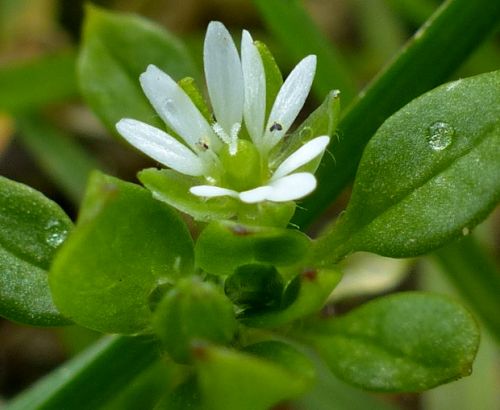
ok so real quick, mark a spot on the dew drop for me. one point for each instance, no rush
(55, 233)
(465, 231)
(440, 135)
(306, 133)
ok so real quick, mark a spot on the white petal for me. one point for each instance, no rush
(176, 108)
(223, 75)
(302, 156)
(210, 191)
(255, 195)
(289, 101)
(254, 109)
(291, 187)
(160, 146)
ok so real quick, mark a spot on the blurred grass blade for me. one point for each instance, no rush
(430, 57)
(61, 158)
(477, 277)
(380, 29)
(41, 81)
(297, 33)
(91, 378)
(414, 11)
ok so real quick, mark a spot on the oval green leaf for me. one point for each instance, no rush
(116, 49)
(124, 246)
(429, 174)
(405, 342)
(224, 246)
(31, 229)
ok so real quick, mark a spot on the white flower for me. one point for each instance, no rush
(230, 165)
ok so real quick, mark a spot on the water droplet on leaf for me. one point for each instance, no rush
(55, 233)
(440, 135)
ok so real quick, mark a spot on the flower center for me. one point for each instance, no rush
(242, 166)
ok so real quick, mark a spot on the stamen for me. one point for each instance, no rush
(221, 133)
(233, 146)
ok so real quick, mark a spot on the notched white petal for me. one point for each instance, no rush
(210, 191)
(289, 101)
(292, 187)
(255, 195)
(160, 146)
(223, 75)
(254, 79)
(176, 109)
(302, 156)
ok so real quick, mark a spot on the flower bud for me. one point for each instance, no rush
(193, 310)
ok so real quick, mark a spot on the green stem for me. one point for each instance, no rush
(428, 59)
(92, 377)
(476, 276)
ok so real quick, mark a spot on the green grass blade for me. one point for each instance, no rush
(430, 57)
(92, 377)
(289, 22)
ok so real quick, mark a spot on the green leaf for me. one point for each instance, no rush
(287, 356)
(426, 61)
(307, 294)
(116, 50)
(404, 342)
(31, 229)
(41, 81)
(93, 377)
(124, 246)
(429, 175)
(224, 246)
(232, 380)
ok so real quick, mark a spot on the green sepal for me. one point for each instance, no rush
(274, 78)
(322, 121)
(173, 188)
(235, 380)
(116, 49)
(405, 342)
(124, 246)
(224, 246)
(188, 84)
(305, 295)
(429, 174)
(32, 227)
(193, 310)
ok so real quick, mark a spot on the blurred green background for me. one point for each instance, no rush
(49, 139)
